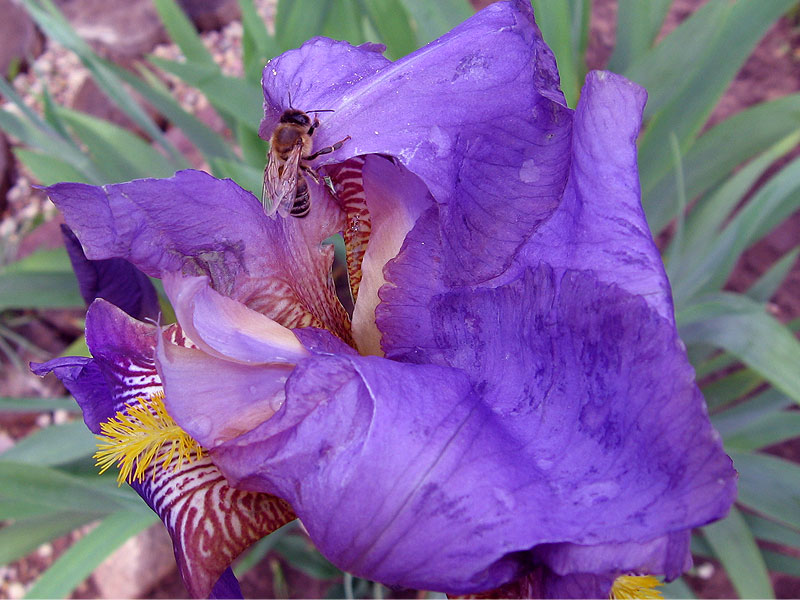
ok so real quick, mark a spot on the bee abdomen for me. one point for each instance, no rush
(302, 201)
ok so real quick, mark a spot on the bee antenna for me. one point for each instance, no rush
(290, 99)
(321, 110)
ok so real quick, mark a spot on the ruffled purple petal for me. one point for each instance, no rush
(195, 225)
(114, 279)
(222, 327)
(668, 555)
(600, 224)
(477, 115)
(595, 435)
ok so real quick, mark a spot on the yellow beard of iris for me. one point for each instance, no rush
(133, 438)
(628, 587)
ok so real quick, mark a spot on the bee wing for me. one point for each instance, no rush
(280, 182)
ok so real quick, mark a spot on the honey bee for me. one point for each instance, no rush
(285, 189)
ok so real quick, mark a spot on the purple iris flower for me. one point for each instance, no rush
(510, 403)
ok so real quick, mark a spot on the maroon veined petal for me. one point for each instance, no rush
(209, 521)
(194, 225)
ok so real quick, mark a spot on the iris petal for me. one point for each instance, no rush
(195, 225)
(597, 435)
(210, 522)
(600, 224)
(475, 114)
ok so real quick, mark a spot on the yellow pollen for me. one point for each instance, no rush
(628, 587)
(135, 436)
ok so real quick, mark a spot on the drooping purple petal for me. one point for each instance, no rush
(83, 379)
(195, 225)
(114, 279)
(195, 382)
(210, 523)
(596, 436)
(227, 586)
(668, 555)
(477, 115)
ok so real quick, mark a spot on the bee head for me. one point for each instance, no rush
(295, 117)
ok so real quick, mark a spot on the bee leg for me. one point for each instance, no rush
(314, 125)
(310, 172)
(327, 150)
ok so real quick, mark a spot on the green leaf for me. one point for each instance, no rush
(299, 20)
(254, 149)
(774, 202)
(49, 144)
(638, 23)
(737, 324)
(181, 31)
(54, 488)
(250, 178)
(556, 23)
(53, 23)
(16, 510)
(39, 290)
(743, 26)
(782, 563)
(51, 115)
(47, 169)
(257, 44)
(299, 552)
(80, 559)
(666, 69)
(736, 419)
(37, 404)
(121, 154)
(677, 589)
(24, 535)
(770, 531)
(734, 546)
(771, 429)
(713, 210)
(42, 261)
(54, 445)
(236, 98)
(731, 387)
(347, 22)
(768, 284)
(390, 19)
(717, 152)
(434, 19)
(208, 142)
(770, 486)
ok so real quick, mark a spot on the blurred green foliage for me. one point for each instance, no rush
(747, 362)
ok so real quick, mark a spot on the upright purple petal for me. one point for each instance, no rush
(476, 114)
(114, 279)
(600, 224)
